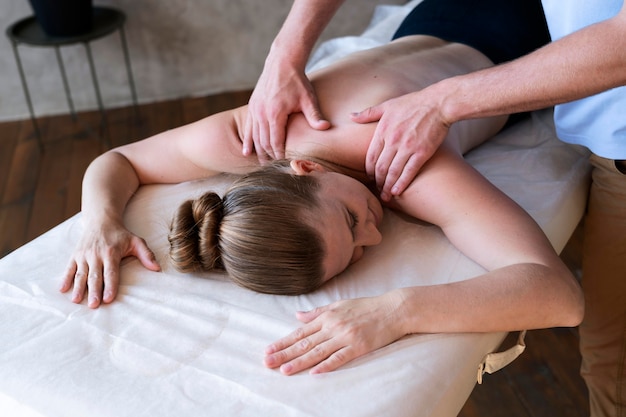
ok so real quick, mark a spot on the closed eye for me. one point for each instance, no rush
(354, 221)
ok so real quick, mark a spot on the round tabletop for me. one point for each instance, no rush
(105, 20)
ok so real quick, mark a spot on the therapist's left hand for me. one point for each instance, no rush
(335, 334)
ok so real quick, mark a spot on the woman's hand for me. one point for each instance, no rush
(337, 333)
(94, 267)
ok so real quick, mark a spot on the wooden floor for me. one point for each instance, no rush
(39, 189)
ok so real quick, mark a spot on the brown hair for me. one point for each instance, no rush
(259, 232)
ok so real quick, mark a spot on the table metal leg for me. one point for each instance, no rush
(66, 85)
(29, 103)
(96, 86)
(131, 81)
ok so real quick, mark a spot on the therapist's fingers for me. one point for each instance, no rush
(261, 140)
(247, 142)
(369, 115)
(313, 114)
(392, 166)
(401, 176)
(277, 137)
(377, 144)
(373, 153)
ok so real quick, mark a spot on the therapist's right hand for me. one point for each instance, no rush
(281, 90)
(94, 267)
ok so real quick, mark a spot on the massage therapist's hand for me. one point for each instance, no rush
(335, 334)
(409, 132)
(94, 268)
(281, 90)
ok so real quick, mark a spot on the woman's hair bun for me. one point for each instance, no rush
(194, 234)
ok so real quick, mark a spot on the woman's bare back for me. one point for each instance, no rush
(370, 77)
(349, 85)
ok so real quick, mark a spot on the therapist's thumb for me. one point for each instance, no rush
(369, 115)
(314, 116)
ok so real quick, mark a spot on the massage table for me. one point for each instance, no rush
(192, 345)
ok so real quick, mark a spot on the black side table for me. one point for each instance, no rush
(105, 21)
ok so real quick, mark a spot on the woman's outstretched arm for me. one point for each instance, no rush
(198, 150)
(526, 285)
(93, 268)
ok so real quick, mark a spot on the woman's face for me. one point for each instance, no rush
(348, 222)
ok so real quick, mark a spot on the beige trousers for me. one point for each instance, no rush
(603, 331)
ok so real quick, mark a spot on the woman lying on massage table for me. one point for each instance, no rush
(526, 285)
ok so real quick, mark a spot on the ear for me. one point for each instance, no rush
(305, 167)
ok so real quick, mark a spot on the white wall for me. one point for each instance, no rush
(178, 48)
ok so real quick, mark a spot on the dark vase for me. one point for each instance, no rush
(63, 17)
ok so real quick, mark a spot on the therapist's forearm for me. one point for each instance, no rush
(584, 63)
(109, 183)
(301, 30)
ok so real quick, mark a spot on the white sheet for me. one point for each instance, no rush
(188, 346)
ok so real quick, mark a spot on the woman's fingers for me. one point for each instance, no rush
(140, 250)
(302, 352)
(68, 277)
(111, 280)
(334, 361)
(323, 357)
(80, 282)
(311, 345)
(320, 352)
(95, 284)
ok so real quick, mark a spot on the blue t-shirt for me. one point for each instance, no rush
(597, 122)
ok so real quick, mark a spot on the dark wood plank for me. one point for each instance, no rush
(497, 395)
(13, 224)
(125, 125)
(194, 109)
(159, 117)
(19, 186)
(82, 153)
(50, 198)
(9, 135)
(225, 101)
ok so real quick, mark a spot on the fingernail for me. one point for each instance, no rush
(286, 368)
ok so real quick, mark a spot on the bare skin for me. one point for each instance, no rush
(525, 283)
